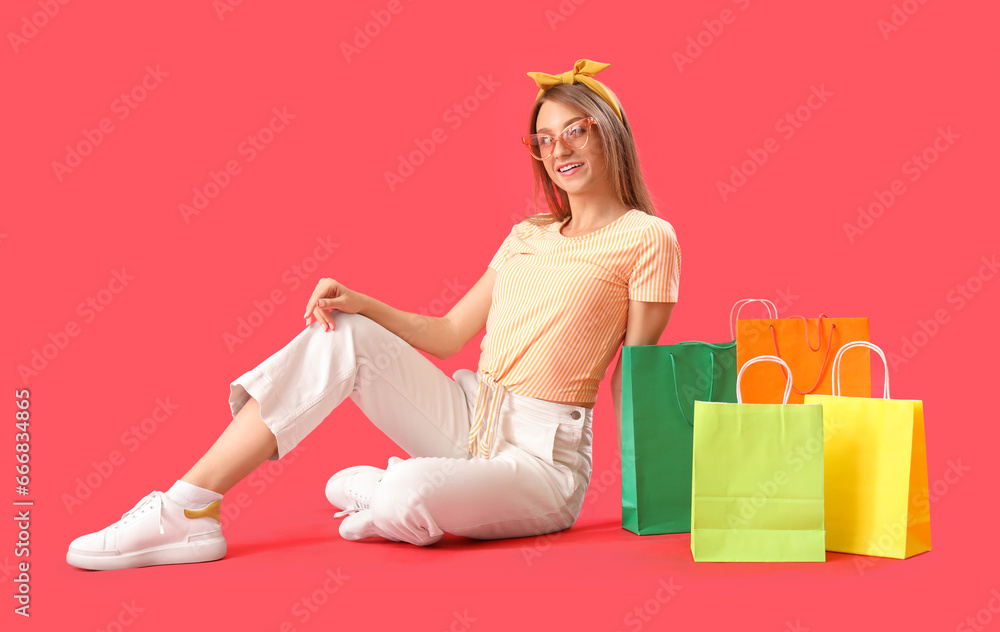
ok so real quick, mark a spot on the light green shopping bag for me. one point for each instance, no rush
(757, 480)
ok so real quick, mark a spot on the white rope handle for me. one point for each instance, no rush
(771, 310)
(764, 358)
(851, 345)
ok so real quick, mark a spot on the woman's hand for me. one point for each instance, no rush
(330, 295)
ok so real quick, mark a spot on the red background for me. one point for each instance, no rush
(781, 234)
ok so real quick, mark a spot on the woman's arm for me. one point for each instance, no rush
(444, 336)
(645, 325)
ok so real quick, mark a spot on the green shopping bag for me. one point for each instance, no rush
(659, 386)
(757, 480)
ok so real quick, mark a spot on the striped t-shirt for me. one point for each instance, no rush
(560, 304)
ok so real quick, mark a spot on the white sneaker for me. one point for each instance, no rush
(351, 489)
(359, 525)
(156, 531)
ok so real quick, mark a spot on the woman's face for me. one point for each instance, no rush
(590, 176)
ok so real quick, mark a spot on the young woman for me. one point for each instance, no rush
(501, 452)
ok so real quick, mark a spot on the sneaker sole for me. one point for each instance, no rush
(183, 553)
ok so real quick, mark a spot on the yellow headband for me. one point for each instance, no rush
(582, 72)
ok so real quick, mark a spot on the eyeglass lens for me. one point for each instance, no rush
(575, 136)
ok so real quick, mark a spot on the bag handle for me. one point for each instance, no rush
(826, 357)
(771, 310)
(765, 358)
(837, 365)
(711, 384)
(721, 345)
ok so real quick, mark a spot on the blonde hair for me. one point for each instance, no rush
(617, 146)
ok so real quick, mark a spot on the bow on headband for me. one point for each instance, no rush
(582, 72)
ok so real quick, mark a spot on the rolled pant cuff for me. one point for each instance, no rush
(276, 417)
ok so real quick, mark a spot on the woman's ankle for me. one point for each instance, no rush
(190, 495)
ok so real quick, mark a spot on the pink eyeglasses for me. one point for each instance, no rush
(540, 146)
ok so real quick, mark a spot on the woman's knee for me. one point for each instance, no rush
(355, 321)
(339, 316)
(404, 487)
(376, 339)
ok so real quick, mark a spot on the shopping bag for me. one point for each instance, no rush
(659, 386)
(757, 480)
(737, 309)
(876, 470)
(807, 345)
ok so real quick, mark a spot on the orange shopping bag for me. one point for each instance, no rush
(808, 346)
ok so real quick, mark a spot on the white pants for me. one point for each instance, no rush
(534, 484)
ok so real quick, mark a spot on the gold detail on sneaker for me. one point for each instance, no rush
(213, 510)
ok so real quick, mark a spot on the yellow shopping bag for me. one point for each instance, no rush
(875, 460)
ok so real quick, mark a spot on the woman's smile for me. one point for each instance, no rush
(567, 169)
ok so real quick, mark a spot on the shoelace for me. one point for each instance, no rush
(361, 501)
(155, 497)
